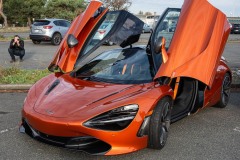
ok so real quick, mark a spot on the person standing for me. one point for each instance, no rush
(16, 48)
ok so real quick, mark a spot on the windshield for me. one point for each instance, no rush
(119, 66)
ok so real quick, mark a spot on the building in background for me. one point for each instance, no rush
(150, 20)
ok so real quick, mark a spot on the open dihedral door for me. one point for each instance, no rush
(197, 44)
(81, 27)
(85, 35)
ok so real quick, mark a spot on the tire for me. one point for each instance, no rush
(143, 31)
(36, 41)
(160, 123)
(225, 92)
(56, 39)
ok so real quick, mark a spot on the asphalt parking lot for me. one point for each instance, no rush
(40, 56)
(212, 134)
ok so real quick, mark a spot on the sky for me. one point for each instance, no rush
(229, 7)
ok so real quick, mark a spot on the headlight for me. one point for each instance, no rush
(116, 119)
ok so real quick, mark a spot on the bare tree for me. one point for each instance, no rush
(140, 12)
(117, 4)
(2, 14)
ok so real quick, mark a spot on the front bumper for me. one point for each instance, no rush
(87, 144)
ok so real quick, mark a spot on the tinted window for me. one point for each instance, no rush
(67, 24)
(111, 17)
(41, 22)
(167, 26)
(56, 23)
(64, 24)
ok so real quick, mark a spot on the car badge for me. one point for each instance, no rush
(49, 112)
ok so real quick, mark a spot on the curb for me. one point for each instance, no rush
(15, 87)
(234, 41)
(26, 87)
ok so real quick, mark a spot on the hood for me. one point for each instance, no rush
(69, 96)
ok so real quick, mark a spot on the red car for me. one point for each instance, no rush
(124, 100)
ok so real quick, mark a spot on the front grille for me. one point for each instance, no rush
(88, 144)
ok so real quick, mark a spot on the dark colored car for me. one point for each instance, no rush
(235, 29)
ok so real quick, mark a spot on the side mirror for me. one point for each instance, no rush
(98, 12)
(72, 41)
(159, 47)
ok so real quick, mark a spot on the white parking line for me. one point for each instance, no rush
(237, 129)
(7, 130)
(3, 131)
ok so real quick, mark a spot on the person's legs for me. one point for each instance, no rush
(21, 55)
(11, 52)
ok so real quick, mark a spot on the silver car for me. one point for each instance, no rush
(146, 28)
(49, 30)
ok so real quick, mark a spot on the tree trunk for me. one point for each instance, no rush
(2, 14)
(29, 21)
(5, 19)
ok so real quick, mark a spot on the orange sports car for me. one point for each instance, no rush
(122, 100)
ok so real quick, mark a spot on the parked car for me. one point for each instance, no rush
(235, 28)
(49, 30)
(125, 99)
(147, 28)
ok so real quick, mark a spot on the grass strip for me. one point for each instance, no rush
(14, 75)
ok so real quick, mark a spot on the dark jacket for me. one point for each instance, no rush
(15, 46)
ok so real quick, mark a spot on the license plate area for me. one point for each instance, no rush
(37, 31)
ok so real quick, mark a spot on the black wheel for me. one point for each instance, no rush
(159, 124)
(225, 92)
(143, 31)
(56, 39)
(36, 41)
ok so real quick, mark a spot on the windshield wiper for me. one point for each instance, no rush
(93, 78)
(81, 76)
(89, 77)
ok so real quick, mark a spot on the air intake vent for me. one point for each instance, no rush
(55, 83)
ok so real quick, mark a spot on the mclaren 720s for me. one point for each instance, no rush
(123, 100)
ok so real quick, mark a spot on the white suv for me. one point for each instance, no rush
(49, 30)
